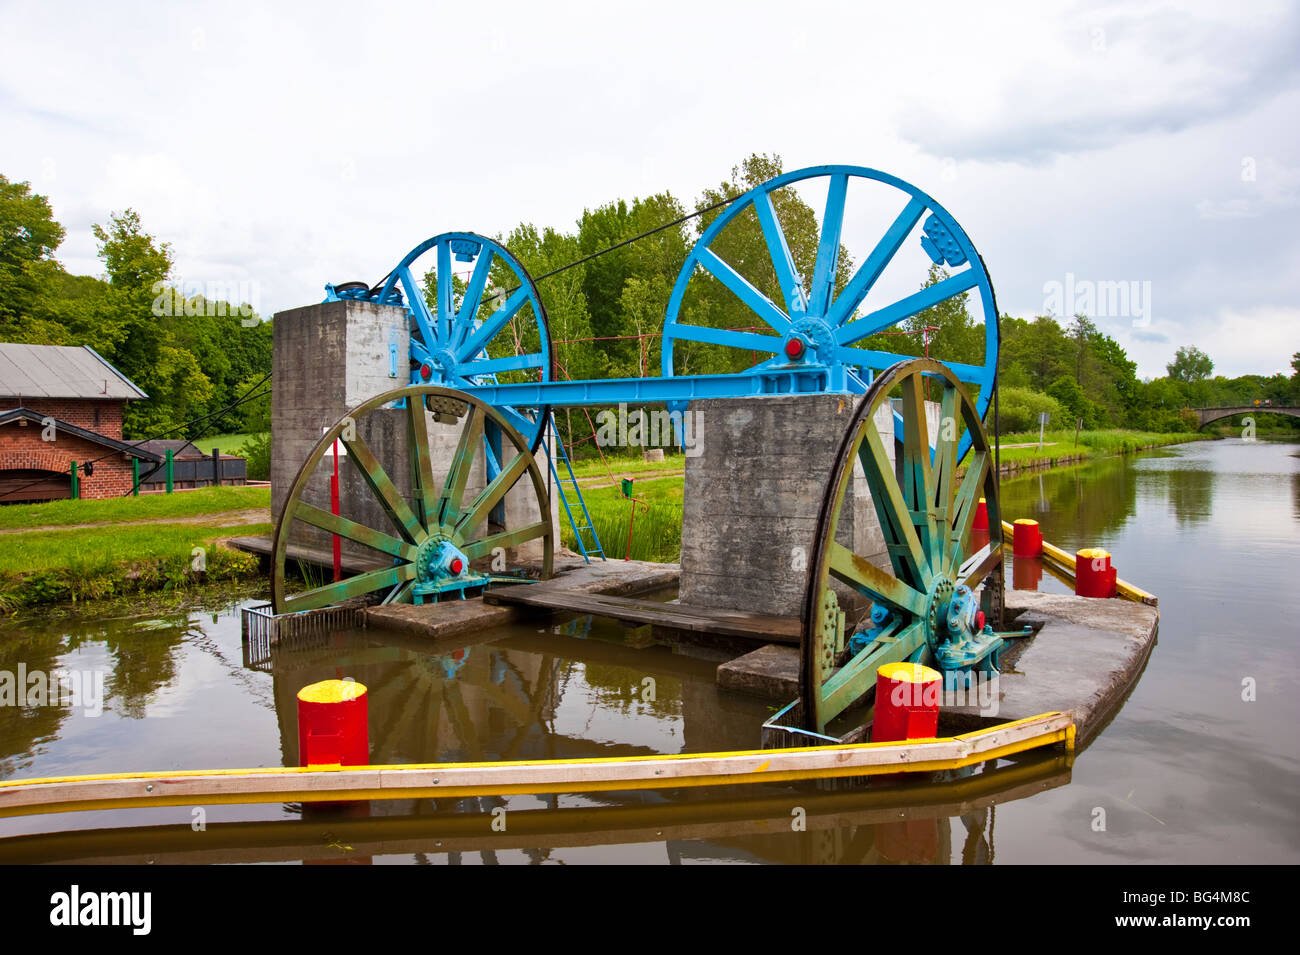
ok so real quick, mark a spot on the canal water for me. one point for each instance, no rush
(1199, 765)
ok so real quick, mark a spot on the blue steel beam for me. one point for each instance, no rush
(805, 379)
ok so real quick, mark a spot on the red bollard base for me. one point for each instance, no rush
(332, 724)
(1093, 574)
(1026, 538)
(907, 702)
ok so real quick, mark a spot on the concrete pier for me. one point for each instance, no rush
(454, 618)
(1085, 657)
(753, 494)
(327, 359)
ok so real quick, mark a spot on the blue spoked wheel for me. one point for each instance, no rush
(488, 327)
(821, 322)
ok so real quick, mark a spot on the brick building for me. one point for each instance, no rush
(60, 404)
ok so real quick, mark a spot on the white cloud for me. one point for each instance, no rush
(298, 145)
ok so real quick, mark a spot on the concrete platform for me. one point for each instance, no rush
(1086, 658)
(771, 671)
(453, 618)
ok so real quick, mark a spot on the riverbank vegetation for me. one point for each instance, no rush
(202, 502)
(198, 347)
(78, 564)
(659, 486)
(71, 551)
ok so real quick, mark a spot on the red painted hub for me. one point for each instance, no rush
(794, 348)
(426, 372)
(456, 565)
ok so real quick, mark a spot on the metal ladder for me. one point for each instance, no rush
(578, 529)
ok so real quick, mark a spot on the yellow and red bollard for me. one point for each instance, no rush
(1026, 538)
(332, 724)
(1093, 574)
(981, 522)
(907, 702)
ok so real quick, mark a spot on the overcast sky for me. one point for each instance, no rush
(1129, 142)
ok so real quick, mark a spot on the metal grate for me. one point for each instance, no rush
(262, 629)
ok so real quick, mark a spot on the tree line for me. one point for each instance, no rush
(194, 356)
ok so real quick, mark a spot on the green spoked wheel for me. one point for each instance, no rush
(926, 516)
(422, 543)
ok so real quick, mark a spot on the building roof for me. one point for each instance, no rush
(61, 371)
(62, 427)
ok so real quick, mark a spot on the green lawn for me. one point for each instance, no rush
(87, 563)
(225, 443)
(204, 501)
(657, 531)
(1092, 444)
(596, 471)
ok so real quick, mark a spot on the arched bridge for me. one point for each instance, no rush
(1206, 415)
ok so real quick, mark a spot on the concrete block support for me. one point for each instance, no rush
(326, 360)
(753, 494)
(331, 357)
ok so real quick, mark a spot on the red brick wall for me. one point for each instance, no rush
(22, 447)
(101, 417)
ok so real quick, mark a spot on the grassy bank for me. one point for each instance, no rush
(657, 531)
(41, 567)
(49, 555)
(208, 501)
(1060, 449)
(656, 535)
(596, 471)
(225, 443)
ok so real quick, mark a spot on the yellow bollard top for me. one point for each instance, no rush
(1092, 553)
(908, 673)
(1025, 520)
(332, 691)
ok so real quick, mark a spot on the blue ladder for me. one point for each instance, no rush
(578, 529)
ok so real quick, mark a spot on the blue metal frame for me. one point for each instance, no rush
(450, 346)
(596, 546)
(812, 314)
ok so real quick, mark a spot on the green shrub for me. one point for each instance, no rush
(257, 456)
(1018, 410)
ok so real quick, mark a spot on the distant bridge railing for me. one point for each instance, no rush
(1205, 416)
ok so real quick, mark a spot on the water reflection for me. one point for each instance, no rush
(576, 689)
(1295, 496)
(143, 661)
(1094, 500)
(1218, 773)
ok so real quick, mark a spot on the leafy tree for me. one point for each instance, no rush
(147, 351)
(655, 259)
(741, 245)
(563, 296)
(1040, 349)
(29, 237)
(1019, 408)
(1190, 364)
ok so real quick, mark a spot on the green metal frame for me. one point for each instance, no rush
(926, 516)
(436, 511)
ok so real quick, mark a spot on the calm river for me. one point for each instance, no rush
(1200, 764)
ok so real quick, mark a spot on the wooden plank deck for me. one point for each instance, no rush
(731, 623)
(261, 546)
